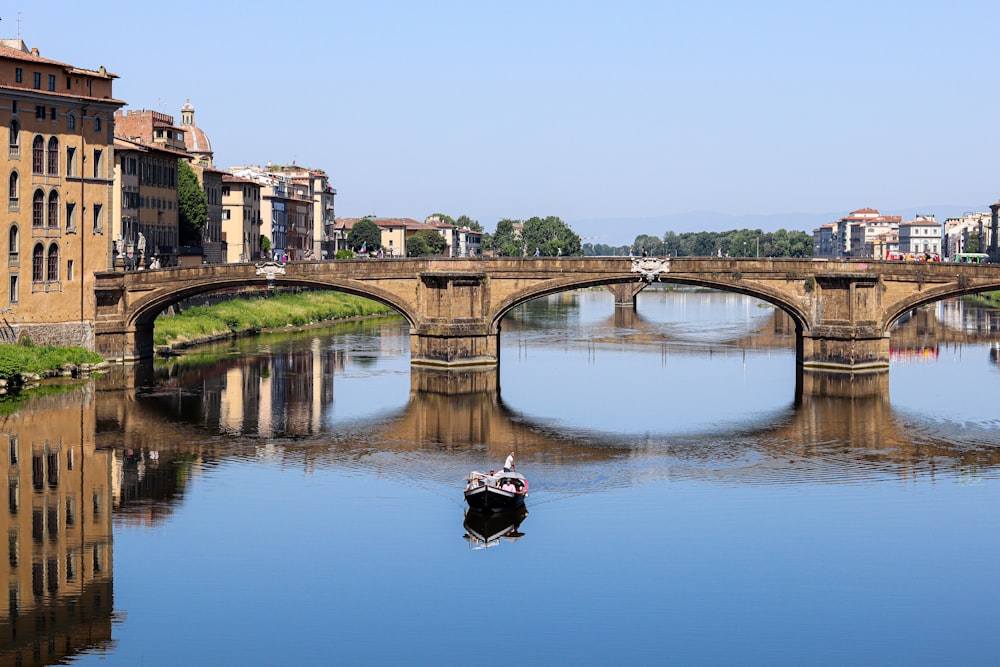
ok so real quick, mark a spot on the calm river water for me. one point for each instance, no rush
(295, 500)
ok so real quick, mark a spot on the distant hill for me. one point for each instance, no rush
(622, 231)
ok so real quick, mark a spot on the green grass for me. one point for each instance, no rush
(988, 299)
(18, 359)
(247, 315)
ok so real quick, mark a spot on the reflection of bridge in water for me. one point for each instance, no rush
(469, 427)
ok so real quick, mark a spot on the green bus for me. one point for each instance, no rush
(971, 258)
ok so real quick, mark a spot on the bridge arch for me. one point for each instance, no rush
(145, 309)
(798, 315)
(959, 288)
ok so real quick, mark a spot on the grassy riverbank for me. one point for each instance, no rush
(988, 299)
(249, 315)
(18, 361)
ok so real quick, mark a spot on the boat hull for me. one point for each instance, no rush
(493, 499)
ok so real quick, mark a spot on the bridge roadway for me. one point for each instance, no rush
(842, 309)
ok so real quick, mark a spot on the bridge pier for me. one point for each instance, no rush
(123, 343)
(454, 346)
(848, 341)
(625, 293)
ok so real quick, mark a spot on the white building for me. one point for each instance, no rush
(921, 235)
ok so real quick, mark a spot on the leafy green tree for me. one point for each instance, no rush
(425, 242)
(364, 233)
(466, 221)
(192, 205)
(550, 236)
(738, 243)
(653, 245)
(505, 241)
(265, 246)
(443, 218)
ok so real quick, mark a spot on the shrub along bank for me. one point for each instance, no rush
(243, 316)
(24, 362)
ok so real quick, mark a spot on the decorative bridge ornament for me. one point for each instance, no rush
(650, 268)
(270, 270)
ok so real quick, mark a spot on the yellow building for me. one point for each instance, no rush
(240, 218)
(58, 166)
(145, 203)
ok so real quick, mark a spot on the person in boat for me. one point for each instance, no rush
(509, 486)
(508, 465)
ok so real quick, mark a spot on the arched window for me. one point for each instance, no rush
(53, 157)
(52, 274)
(38, 209)
(53, 218)
(15, 138)
(13, 245)
(37, 263)
(13, 187)
(71, 121)
(97, 123)
(38, 156)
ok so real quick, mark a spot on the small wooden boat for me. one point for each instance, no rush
(495, 491)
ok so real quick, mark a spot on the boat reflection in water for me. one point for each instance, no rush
(485, 529)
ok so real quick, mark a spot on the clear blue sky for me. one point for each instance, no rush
(577, 109)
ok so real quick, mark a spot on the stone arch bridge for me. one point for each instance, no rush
(842, 309)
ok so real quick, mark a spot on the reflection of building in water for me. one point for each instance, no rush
(58, 526)
(920, 333)
(905, 355)
(262, 395)
(968, 318)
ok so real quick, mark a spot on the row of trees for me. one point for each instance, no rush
(550, 237)
(734, 243)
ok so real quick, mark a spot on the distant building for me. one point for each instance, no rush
(922, 235)
(297, 210)
(313, 186)
(158, 130)
(145, 202)
(856, 235)
(241, 218)
(462, 241)
(965, 231)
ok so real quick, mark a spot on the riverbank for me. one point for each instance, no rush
(249, 316)
(21, 364)
(987, 299)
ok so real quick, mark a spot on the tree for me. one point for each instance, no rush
(466, 221)
(443, 218)
(505, 240)
(364, 233)
(192, 205)
(550, 236)
(265, 246)
(425, 242)
(653, 245)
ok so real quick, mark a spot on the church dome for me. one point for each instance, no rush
(195, 140)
